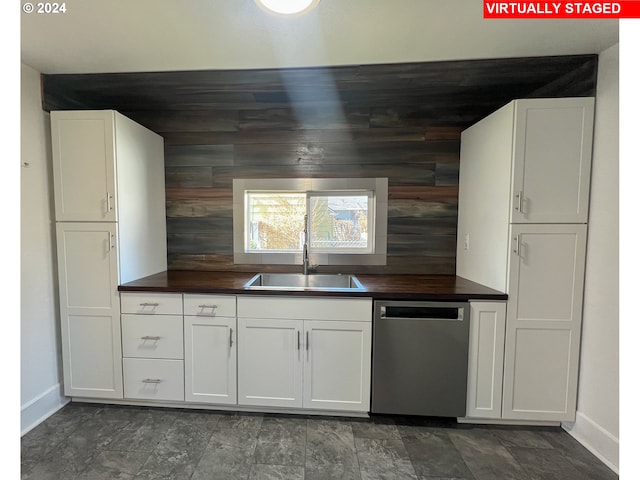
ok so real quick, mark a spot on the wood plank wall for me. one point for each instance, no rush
(397, 121)
(421, 165)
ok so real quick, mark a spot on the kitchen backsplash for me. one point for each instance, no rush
(421, 165)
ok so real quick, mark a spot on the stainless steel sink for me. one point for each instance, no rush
(297, 281)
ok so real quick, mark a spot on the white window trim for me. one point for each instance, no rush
(380, 201)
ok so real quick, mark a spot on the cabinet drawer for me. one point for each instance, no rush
(210, 305)
(151, 303)
(147, 379)
(152, 336)
(305, 308)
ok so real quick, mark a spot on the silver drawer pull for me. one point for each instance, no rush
(202, 308)
(149, 337)
(151, 380)
(148, 304)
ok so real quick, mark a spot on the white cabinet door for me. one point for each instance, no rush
(337, 372)
(552, 160)
(84, 165)
(486, 359)
(270, 360)
(543, 322)
(89, 309)
(210, 359)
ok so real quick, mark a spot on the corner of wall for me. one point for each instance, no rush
(596, 439)
(42, 407)
(40, 373)
(597, 417)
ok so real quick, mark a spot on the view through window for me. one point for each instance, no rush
(337, 221)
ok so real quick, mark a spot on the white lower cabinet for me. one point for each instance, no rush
(210, 349)
(89, 310)
(255, 351)
(270, 360)
(152, 347)
(544, 316)
(91, 354)
(526, 368)
(337, 363)
(304, 352)
(486, 359)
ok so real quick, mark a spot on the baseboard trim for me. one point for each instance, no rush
(221, 407)
(595, 439)
(499, 421)
(37, 410)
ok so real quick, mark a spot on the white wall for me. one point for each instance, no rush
(40, 372)
(597, 419)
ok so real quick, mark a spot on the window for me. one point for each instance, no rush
(345, 221)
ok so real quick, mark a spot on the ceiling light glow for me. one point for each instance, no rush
(288, 7)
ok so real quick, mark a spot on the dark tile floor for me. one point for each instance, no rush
(96, 442)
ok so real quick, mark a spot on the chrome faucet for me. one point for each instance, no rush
(305, 248)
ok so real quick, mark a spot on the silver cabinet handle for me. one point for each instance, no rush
(230, 337)
(298, 332)
(151, 380)
(147, 304)
(109, 206)
(149, 337)
(213, 309)
(307, 341)
(112, 241)
(518, 202)
(516, 248)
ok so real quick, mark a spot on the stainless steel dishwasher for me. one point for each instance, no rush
(420, 352)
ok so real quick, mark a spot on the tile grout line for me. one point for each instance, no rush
(355, 448)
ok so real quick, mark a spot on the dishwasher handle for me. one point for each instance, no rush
(420, 312)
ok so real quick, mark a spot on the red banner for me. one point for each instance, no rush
(561, 9)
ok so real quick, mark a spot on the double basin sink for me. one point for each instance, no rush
(298, 281)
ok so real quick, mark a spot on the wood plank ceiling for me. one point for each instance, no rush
(452, 92)
(401, 121)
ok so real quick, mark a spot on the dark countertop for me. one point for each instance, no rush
(392, 287)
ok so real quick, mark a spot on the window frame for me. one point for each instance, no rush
(378, 207)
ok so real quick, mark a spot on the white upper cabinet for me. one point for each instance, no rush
(528, 162)
(552, 141)
(103, 160)
(84, 165)
(108, 168)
